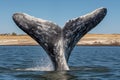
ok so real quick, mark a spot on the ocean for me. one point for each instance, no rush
(86, 63)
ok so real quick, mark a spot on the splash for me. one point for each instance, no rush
(37, 68)
(40, 68)
(42, 63)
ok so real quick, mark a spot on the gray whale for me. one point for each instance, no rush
(56, 41)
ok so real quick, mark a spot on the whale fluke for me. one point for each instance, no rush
(56, 41)
(75, 29)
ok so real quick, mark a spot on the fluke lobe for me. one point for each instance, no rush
(56, 41)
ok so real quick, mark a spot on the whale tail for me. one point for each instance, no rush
(58, 42)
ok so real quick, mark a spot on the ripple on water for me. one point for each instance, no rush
(86, 63)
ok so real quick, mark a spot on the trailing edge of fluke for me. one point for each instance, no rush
(56, 41)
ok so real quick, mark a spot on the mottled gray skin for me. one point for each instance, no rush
(57, 42)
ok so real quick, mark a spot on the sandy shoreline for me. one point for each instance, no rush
(89, 39)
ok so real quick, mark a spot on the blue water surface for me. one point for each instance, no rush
(86, 63)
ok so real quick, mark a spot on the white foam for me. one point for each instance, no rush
(38, 68)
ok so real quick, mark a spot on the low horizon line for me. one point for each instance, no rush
(27, 34)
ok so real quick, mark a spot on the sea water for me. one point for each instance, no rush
(86, 63)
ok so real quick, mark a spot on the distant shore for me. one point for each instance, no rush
(87, 40)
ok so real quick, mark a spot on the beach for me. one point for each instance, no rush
(88, 39)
